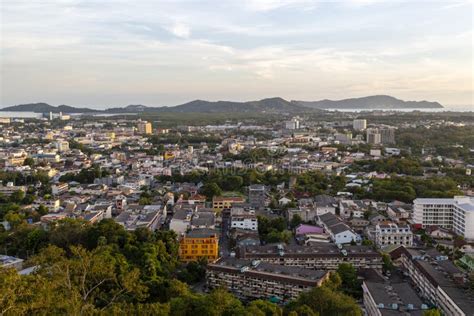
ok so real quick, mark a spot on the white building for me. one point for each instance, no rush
(243, 219)
(456, 214)
(359, 124)
(392, 234)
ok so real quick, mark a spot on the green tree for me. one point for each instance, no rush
(350, 284)
(210, 190)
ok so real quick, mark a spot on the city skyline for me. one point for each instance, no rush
(99, 55)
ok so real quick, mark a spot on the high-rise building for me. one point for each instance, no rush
(144, 127)
(359, 124)
(373, 136)
(387, 135)
(456, 214)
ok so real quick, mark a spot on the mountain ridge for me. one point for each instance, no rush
(267, 105)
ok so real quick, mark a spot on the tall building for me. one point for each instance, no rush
(359, 124)
(373, 136)
(199, 243)
(293, 124)
(257, 195)
(387, 135)
(144, 127)
(456, 214)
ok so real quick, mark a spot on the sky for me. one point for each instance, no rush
(103, 53)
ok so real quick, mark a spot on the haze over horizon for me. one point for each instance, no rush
(100, 55)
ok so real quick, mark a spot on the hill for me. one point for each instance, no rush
(370, 102)
(45, 108)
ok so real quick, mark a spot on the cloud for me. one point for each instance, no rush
(180, 30)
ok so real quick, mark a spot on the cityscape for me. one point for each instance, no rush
(261, 204)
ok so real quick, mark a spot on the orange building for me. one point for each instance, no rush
(199, 243)
(222, 202)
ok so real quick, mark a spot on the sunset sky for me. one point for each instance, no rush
(114, 53)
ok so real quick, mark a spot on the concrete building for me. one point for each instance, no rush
(456, 214)
(257, 195)
(392, 234)
(59, 188)
(340, 232)
(359, 124)
(144, 127)
(225, 202)
(199, 243)
(243, 219)
(9, 189)
(137, 216)
(318, 256)
(255, 279)
(373, 136)
(437, 280)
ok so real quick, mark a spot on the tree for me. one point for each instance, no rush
(387, 263)
(295, 221)
(29, 162)
(350, 284)
(210, 190)
(432, 312)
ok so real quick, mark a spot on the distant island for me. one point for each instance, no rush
(269, 105)
(370, 102)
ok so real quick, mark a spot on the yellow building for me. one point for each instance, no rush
(222, 202)
(144, 127)
(199, 243)
(169, 155)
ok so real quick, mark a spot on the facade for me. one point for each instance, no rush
(257, 195)
(319, 256)
(199, 243)
(437, 280)
(359, 124)
(221, 202)
(243, 219)
(456, 214)
(144, 127)
(9, 189)
(254, 279)
(373, 136)
(392, 234)
(339, 232)
(59, 188)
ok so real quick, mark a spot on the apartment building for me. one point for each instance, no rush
(59, 188)
(359, 124)
(318, 256)
(255, 279)
(144, 127)
(437, 279)
(199, 243)
(243, 219)
(392, 234)
(257, 195)
(456, 214)
(222, 202)
(391, 297)
(9, 189)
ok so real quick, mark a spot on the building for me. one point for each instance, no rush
(141, 216)
(59, 188)
(436, 279)
(62, 146)
(373, 136)
(198, 244)
(225, 202)
(387, 135)
(392, 234)
(254, 279)
(391, 297)
(318, 256)
(293, 124)
(359, 124)
(257, 195)
(339, 232)
(9, 189)
(456, 214)
(11, 262)
(144, 127)
(243, 219)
